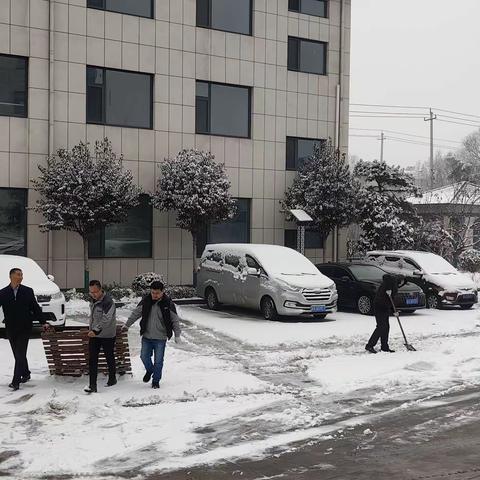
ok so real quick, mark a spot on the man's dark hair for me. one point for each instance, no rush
(157, 285)
(14, 270)
(95, 283)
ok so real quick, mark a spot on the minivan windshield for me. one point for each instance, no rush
(291, 263)
(367, 273)
(434, 264)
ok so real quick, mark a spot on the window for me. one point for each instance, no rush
(119, 98)
(222, 110)
(13, 221)
(132, 239)
(13, 86)
(307, 56)
(299, 150)
(313, 238)
(228, 15)
(140, 8)
(318, 8)
(236, 230)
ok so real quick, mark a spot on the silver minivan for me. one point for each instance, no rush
(273, 279)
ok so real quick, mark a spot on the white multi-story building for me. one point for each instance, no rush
(256, 82)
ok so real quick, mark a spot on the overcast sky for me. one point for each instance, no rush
(414, 53)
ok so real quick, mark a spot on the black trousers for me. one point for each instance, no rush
(382, 330)
(19, 344)
(94, 346)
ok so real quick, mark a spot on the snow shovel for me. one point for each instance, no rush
(408, 346)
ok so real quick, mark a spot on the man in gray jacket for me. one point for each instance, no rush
(103, 329)
(158, 322)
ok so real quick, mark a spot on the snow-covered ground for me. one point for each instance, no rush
(237, 387)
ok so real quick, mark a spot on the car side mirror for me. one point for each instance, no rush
(417, 274)
(51, 277)
(253, 271)
(345, 279)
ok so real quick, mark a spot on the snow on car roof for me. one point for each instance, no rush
(31, 270)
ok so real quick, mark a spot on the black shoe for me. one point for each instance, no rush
(25, 379)
(388, 350)
(155, 385)
(147, 377)
(14, 386)
(370, 349)
(111, 382)
(90, 389)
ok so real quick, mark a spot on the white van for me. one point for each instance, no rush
(276, 280)
(48, 294)
(441, 282)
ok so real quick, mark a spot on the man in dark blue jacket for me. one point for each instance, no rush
(20, 309)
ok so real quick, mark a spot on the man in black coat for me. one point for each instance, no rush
(383, 308)
(20, 309)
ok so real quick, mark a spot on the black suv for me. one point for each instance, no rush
(357, 284)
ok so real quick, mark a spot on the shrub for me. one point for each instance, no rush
(118, 292)
(141, 283)
(469, 261)
(181, 291)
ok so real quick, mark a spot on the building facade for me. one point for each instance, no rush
(256, 82)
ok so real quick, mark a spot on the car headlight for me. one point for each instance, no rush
(57, 296)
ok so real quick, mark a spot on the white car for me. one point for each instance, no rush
(48, 294)
(442, 283)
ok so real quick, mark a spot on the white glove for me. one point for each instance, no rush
(389, 293)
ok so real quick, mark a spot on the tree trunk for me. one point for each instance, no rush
(86, 272)
(194, 251)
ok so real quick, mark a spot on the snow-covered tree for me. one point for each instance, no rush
(386, 219)
(325, 189)
(82, 191)
(469, 261)
(197, 188)
(432, 236)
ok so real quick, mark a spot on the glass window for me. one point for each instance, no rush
(141, 8)
(367, 273)
(13, 221)
(13, 86)
(299, 150)
(228, 15)
(236, 230)
(222, 109)
(307, 56)
(119, 98)
(309, 7)
(313, 238)
(130, 239)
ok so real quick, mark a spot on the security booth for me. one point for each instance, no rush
(303, 219)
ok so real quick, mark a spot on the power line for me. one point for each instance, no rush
(403, 133)
(457, 113)
(387, 106)
(384, 116)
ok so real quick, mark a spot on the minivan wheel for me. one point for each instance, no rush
(364, 305)
(432, 301)
(212, 299)
(269, 310)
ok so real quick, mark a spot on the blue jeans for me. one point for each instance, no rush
(150, 347)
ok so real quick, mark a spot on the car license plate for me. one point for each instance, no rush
(412, 301)
(318, 308)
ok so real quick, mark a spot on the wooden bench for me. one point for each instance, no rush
(67, 352)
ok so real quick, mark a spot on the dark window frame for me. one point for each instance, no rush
(104, 123)
(288, 167)
(209, 26)
(102, 242)
(327, 9)
(204, 235)
(27, 89)
(25, 223)
(104, 9)
(209, 110)
(297, 68)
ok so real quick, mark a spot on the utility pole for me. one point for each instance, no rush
(382, 139)
(430, 119)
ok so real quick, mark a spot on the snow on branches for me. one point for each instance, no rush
(82, 191)
(324, 188)
(197, 188)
